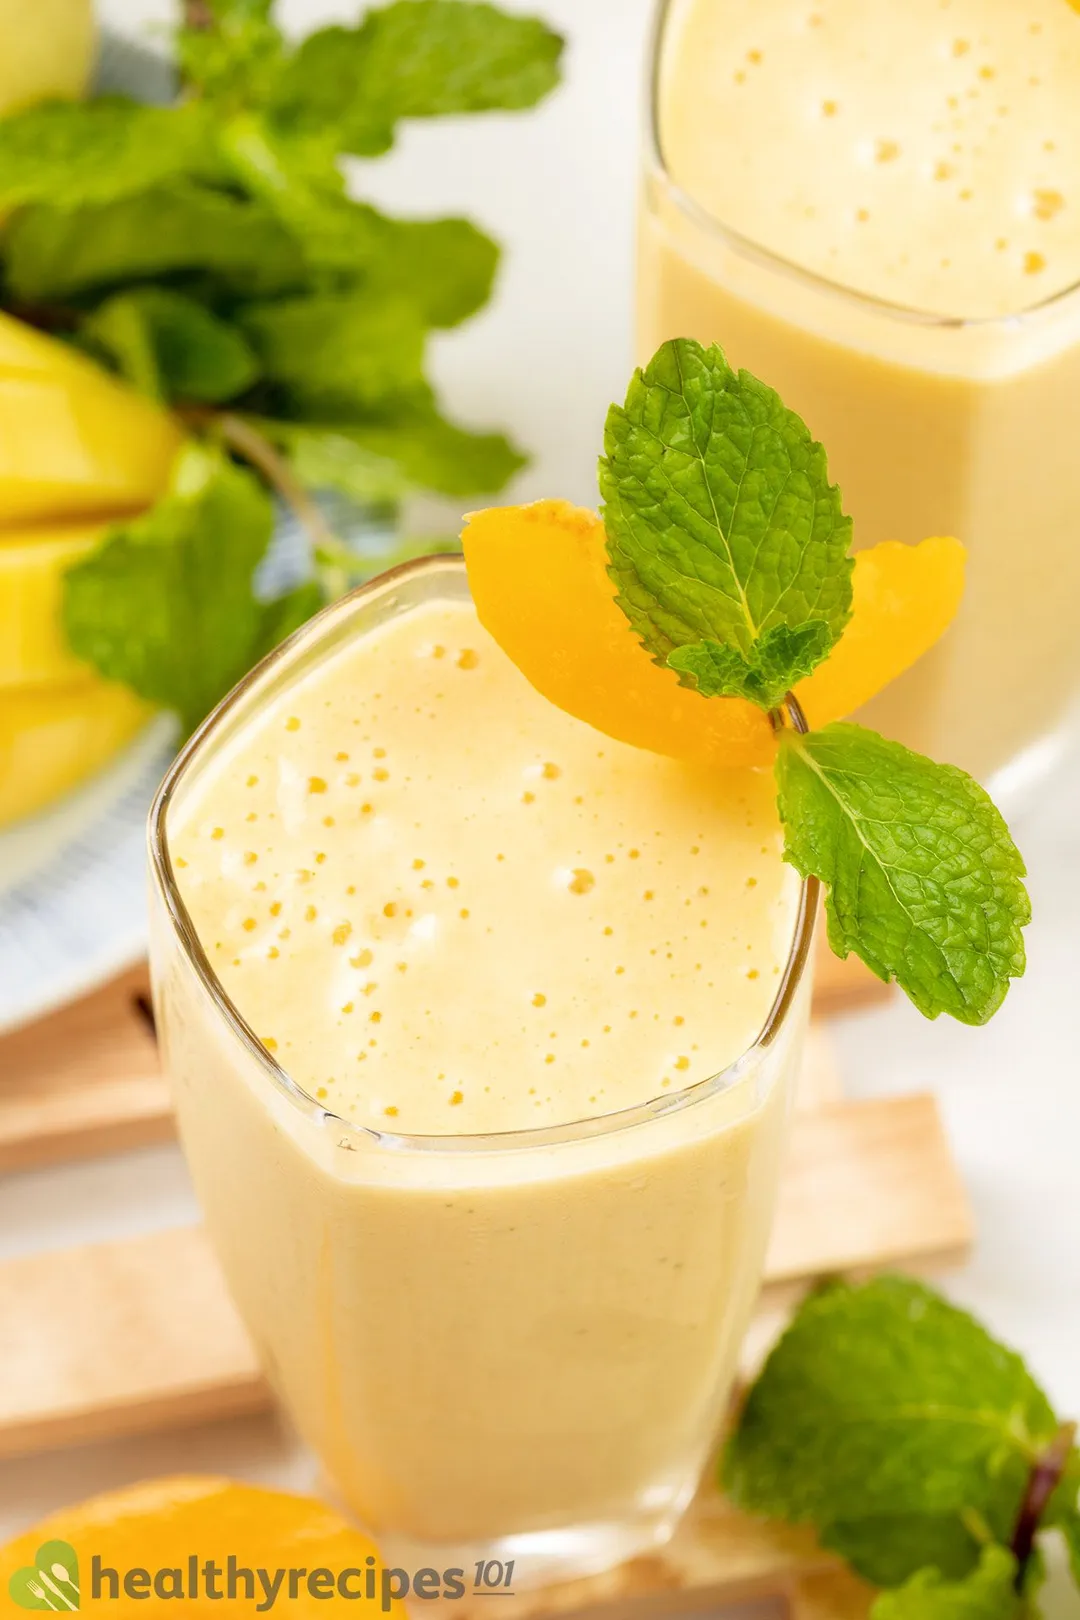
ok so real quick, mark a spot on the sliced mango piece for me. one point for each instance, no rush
(903, 600)
(48, 51)
(74, 442)
(54, 737)
(32, 567)
(164, 1525)
(539, 579)
(538, 576)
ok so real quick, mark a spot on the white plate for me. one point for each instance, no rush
(73, 885)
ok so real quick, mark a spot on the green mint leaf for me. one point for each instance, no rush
(925, 884)
(445, 267)
(884, 1399)
(68, 154)
(888, 1549)
(296, 176)
(416, 59)
(441, 455)
(988, 1593)
(118, 336)
(1064, 1504)
(236, 57)
(338, 351)
(165, 604)
(55, 253)
(722, 524)
(780, 658)
(410, 446)
(1068, 1523)
(170, 346)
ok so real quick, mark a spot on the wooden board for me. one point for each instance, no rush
(123, 1337)
(86, 1080)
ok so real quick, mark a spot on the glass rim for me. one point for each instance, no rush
(756, 253)
(308, 637)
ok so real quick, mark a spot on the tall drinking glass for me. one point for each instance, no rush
(825, 184)
(515, 1345)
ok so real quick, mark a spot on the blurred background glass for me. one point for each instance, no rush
(874, 209)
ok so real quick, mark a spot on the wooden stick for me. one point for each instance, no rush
(119, 1338)
(83, 1082)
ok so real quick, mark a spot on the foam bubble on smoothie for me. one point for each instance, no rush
(444, 905)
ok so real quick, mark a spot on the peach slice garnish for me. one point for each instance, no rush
(538, 576)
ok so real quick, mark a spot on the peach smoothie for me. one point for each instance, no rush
(470, 930)
(877, 208)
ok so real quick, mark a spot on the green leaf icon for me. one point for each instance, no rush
(51, 1582)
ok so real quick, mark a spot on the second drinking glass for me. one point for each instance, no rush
(875, 208)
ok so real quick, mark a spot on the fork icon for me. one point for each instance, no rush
(39, 1593)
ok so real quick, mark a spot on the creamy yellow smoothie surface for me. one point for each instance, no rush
(447, 906)
(924, 153)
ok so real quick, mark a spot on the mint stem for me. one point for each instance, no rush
(1043, 1481)
(789, 713)
(337, 563)
(198, 16)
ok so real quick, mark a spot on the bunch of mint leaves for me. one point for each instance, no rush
(729, 548)
(919, 1449)
(209, 253)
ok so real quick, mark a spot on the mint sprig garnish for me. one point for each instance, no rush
(729, 549)
(724, 532)
(916, 1445)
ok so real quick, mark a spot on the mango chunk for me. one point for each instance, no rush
(48, 51)
(52, 738)
(33, 562)
(538, 576)
(74, 442)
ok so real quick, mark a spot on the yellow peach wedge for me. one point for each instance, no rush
(538, 576)
(903, 599)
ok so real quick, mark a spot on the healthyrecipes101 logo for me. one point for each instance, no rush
(52, 1582)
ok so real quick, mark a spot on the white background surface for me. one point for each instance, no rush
(557, 187)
